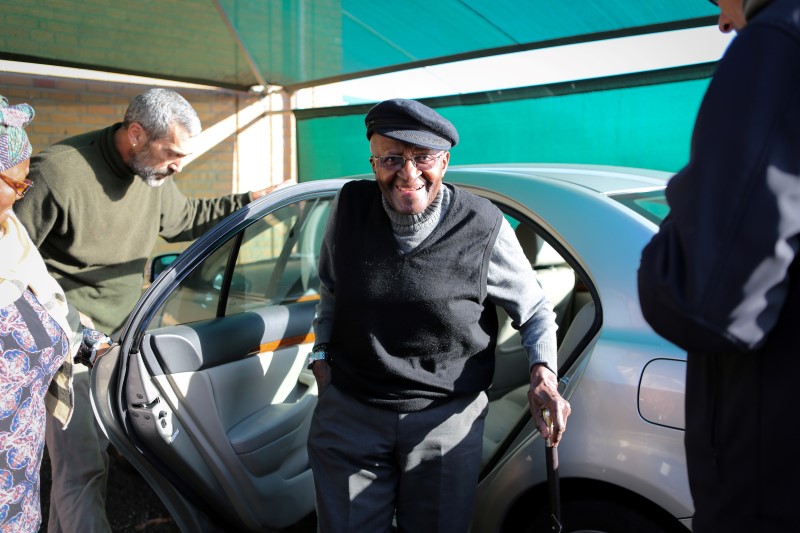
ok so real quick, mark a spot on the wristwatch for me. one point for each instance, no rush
(318, 353)
(90, 341)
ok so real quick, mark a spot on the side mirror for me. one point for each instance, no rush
(159, 264)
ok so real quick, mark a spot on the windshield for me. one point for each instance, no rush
(650, 204)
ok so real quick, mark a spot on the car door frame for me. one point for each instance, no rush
(109, 373)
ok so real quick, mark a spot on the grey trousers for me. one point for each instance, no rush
(371, 464)
(79, 461)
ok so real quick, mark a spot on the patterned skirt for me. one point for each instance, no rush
(32, 348)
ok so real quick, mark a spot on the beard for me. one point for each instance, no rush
(152, 176)
(154, 181)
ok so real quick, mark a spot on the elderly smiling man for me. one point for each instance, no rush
(411, 270)
(721, 278)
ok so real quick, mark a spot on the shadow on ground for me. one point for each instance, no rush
(132, 506)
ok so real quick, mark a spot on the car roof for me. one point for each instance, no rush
(603, 179)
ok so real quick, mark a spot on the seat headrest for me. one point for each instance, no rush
(538, 251)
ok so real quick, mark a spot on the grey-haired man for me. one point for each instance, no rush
(411, 271)
(721, 278)
(101, 200)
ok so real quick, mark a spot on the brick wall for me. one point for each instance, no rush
(248, 140)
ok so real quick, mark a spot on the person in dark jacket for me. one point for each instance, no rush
(411, 269)
(721, 278)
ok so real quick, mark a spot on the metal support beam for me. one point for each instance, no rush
(240, 44)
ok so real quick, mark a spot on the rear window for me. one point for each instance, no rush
(652, 205)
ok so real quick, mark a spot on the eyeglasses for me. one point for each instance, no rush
(20, 187)
(396, 162)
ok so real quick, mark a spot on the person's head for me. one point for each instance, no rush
(410, 145)
(158, 126)
(15, 154)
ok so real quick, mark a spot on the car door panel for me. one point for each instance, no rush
(201, 455)
(209, 343)
(170, 490)
(218, 392)
(234, 384)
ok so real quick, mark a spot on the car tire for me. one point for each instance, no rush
(602, 516)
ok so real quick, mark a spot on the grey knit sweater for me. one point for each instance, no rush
(511, 282)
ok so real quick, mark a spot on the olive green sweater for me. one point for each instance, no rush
(96, 223)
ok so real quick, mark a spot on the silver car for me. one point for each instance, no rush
(208, 395)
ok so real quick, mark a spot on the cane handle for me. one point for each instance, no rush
(548, 420)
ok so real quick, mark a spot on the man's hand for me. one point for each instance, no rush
(255, 195)
(544, 393)
(322, 373)
(101, 349)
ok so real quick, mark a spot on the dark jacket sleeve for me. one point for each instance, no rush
(714, 278)
(185, 219)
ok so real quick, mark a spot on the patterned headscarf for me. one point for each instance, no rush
(14, 144)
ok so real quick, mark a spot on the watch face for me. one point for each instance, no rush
(313, 357)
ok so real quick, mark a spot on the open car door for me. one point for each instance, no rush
(207, 394)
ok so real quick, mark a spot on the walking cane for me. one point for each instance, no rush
(551, 457)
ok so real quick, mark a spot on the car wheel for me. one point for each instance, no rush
(602, 516)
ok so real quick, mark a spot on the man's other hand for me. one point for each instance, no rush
(544, 394)
(255, 195)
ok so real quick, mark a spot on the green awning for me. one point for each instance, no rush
(639, 120)
(300, 43)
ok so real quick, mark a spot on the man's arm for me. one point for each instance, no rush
(323, 320)
(185, 219)
(713, 279)
(512, 285)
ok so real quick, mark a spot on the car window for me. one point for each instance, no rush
(277, 261)
(272, 261)
(652, 205)
(570, 298)
(197, 296)
(553, 273)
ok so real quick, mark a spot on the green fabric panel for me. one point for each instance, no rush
(293, 43)
(332, 147)
(462, 26)
(647, 127)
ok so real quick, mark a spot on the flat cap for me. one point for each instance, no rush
(411, 122)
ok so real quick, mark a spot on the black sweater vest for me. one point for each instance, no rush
(416, 329)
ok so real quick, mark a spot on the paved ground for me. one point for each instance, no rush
(133, 507)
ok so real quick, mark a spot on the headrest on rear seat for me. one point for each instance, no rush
(535, 247)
